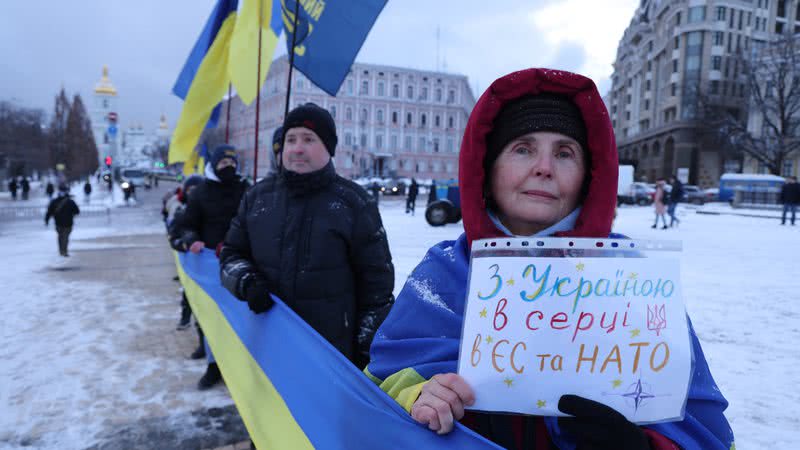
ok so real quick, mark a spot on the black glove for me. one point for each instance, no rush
(256, 294)
(596, 426)
(179, 245)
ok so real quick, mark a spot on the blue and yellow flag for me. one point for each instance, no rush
(207, 81)
(244, 45)
(294, 390)
(329, 36)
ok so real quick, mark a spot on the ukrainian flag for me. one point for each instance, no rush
(292, 388)
(263, 15)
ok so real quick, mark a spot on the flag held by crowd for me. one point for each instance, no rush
(294, 390)
(329, 36)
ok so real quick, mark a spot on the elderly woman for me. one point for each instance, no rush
(538, 159)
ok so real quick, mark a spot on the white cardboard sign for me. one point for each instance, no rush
(609, 328)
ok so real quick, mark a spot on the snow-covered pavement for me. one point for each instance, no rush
(64, 370)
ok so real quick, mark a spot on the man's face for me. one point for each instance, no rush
(303, 151)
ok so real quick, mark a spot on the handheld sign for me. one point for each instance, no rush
(600, 318)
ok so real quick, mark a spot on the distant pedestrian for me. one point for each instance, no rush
(375, 190)
(26, 188)
(658, 203)
(87, 191)
(432, 192)
(790, 197)
(675, 196)
(63, 210)
(129, 191)
(411, 200)
(50, 190)
(12, 187)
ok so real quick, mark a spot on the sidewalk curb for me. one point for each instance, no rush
(718, 213)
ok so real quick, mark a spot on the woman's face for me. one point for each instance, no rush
(537, 181)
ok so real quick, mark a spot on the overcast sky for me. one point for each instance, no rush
(50, 43)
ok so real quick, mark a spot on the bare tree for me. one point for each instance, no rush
(772, 133)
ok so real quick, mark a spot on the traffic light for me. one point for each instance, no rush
(108, 161)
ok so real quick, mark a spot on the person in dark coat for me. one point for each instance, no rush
(87, 191)
(790, 197)
(206, 219)
(411, 200)
(50, 190)
(63, 210)
(174, 208)
(12, 187)
(313, 239)
(26, 188)
(675, 196)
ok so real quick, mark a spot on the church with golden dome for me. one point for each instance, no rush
(103, 113)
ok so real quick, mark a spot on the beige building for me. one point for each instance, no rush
(391, 121)
(675, 55)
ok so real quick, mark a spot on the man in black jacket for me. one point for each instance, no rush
(313, 239)
(205, 221)
(63, 210)
(790, 197)
(675, 196)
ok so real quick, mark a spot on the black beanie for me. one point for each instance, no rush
(316, 119)
(542, 112)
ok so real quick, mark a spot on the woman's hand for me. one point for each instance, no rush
(442, 402)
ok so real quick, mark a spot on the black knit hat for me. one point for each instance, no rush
(542, 112)
(221, 152)
(316, 119)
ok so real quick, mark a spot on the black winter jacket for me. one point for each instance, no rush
(208, 212)
(790, 193)
(62, 209)
(318, 241)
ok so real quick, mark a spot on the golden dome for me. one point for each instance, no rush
(105, 86)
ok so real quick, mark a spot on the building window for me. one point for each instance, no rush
(647, 85)
(674, 66)
(450, 145)
(380, 116)
(396, 90)
(393, 142)
(721, 13)
(349, 87)
(364, 88)
(421, 147)
(716, 62)
(627, 115)
(437, 121)
(778, 27)
(436, 145)
(348, 139)
(364, 115)
(379, 141)
(410, 92)
(423, 120)
(380, 88)
(674, 89)
(333, 111)
(394, 117)
(450, 122)
(438, 94)
(697, 14)
(363, 140)
(678, 18)
(649, 65)
(788, 168)
(451, 96)
(424, 94)
(715, 87)
(719, 38)
(299, 84)
(677, 44)
(348, 113)
(646, 105)
(781, 8)
(409, 119)
(408, 143)
(650, 46)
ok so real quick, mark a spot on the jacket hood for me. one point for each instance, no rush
(597, 212)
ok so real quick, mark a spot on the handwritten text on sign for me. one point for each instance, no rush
(610, 329)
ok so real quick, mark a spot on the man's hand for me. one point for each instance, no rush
(598, 426)
(197, 247)
(257, 296)
(442, 402)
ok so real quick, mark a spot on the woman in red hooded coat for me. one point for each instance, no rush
(538, 158)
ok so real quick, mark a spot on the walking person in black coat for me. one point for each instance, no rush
(411, 200)
(675, 196)
(790, 197)
(313, 239)
(50, 190)
(12, 187)
(26, 188)
(87, 191)
(205, 221)
(63, 210)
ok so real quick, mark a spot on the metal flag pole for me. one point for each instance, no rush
(258, 92)
(291, 59)
(228, 116)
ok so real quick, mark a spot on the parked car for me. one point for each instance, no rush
(444, 204)
(711, 194)
(693, 194)
(638, 194)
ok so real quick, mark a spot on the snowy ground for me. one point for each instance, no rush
(740, 282)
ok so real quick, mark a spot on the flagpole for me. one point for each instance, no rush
(258, 91)
(228, 115)
(291, 60)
